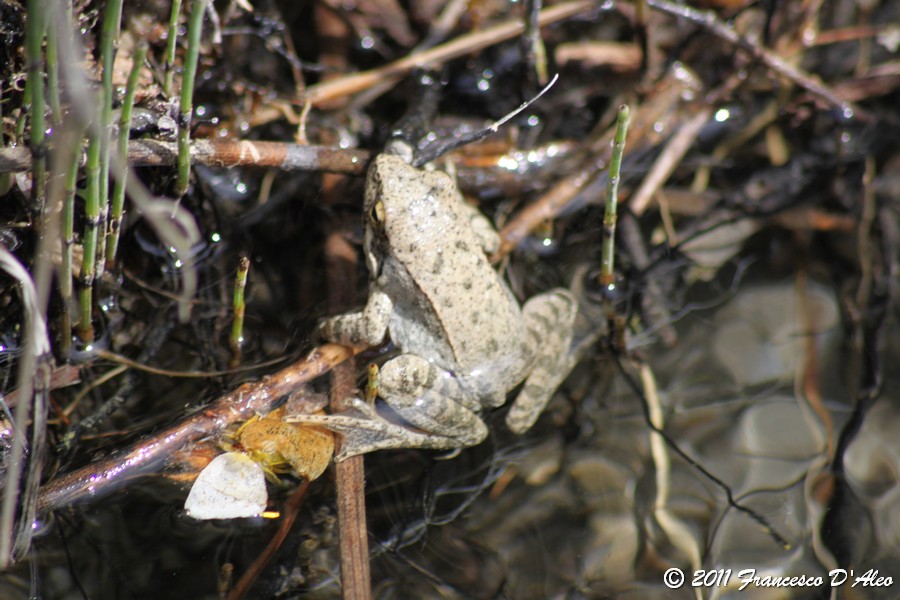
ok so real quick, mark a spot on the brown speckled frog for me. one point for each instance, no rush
(465, 340)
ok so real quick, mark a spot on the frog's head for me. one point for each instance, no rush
(403, 207)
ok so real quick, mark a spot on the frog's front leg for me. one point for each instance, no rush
(425, 396)
(366, 327)
(550, 321)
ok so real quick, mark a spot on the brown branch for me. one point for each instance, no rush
(223, 153)
(351, 501)
(150, 454)
(340, 260)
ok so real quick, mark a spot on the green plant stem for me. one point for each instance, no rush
(607, 275)
(68, 242)
(89, 238)
(239, 307)
(34, 90)
(23, 115)
(112, 20)
(195, 28)
(169, 63)
(53, 75)
(118, 197)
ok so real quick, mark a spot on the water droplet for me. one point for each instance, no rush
(809, 37)
(508, 162)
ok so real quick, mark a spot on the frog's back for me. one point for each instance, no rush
(450, 305)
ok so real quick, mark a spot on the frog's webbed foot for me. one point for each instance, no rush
(364, 430)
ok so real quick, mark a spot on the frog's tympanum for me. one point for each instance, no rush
(465, 341)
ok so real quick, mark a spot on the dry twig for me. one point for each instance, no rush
(219, 153)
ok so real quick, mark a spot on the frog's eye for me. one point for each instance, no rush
(377, 213)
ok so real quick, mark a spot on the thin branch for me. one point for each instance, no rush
(340, 261)
(219, 153)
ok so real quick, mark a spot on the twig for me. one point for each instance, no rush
(218, 153)
(340, 259)
(466, 44)
(351, 502)
(102, 477)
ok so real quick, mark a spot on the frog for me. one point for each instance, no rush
(464, 339)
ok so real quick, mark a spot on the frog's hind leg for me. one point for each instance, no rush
(549, 319)
(425, 396)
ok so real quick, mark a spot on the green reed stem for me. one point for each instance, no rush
(239, 307)
(89, 238)
(171, 42)
(68, 239)
(118, 197)
(195, 28)
(112, 20)
(607, 276)
(53, 75)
